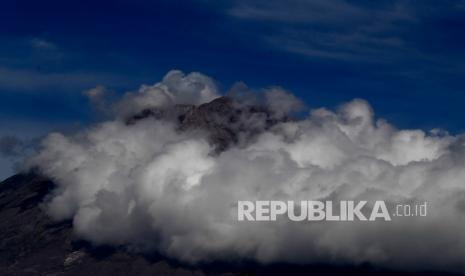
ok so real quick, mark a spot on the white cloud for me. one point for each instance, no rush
(148, 186)
(281, 102)
(175, 88)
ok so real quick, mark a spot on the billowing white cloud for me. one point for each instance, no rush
(281, 102)
(175, 88)
(146, 185)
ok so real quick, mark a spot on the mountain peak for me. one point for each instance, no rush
(224, 119)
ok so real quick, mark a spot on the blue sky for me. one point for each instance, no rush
(406, 58)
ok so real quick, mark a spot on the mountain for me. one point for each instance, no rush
(225, 120)
(32, 244)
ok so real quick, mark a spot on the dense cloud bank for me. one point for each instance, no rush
(149, 186)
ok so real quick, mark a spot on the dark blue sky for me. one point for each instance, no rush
(406, 58)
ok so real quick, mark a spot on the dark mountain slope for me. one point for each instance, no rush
(32, 244)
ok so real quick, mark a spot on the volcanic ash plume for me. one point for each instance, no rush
(166, 175)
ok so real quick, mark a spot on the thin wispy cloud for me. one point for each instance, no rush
(36, 79)
(10, 146)
(346, 30)
(40, 43)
